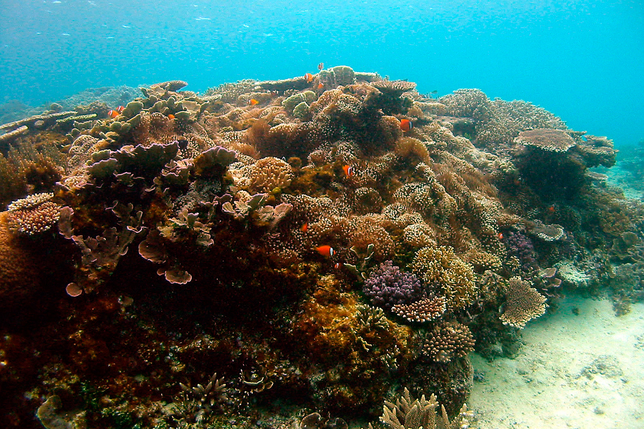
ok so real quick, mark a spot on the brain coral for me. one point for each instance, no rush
(441, 268)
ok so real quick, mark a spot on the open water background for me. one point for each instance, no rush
(581, 60)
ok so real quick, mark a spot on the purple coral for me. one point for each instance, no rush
(388, 286)
(521, 247)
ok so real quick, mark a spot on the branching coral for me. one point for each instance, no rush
(387, 286)
(410, 413)
(448, 341)
(441, 268)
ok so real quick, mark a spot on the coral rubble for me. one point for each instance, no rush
(296, 238)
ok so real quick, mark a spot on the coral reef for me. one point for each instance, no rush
(299, 239)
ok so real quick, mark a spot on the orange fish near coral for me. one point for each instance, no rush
(170, 116)
(120, 109)
(337, 265)
(305, 227)
(348, 170)
(326, 251)
(406, 125)
(320, 85)
(321, 66)
(552, 208)
(253, 102)
(308, 77)
(113, 113)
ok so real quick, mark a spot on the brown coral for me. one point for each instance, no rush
(546, 139)
(448, 341)
(269, 174)
(523, 303)
(34, 214)
(424, 310)
(19, 270)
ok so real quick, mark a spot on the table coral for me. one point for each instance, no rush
(523, 303)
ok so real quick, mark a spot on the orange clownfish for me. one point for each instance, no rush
(253, 102)
(406, 125)
(120, 109)
(500, 236)
(337, 265)
(170, 116)
(348, 170)
(320, 85)
(304, 227)
(113, 113)
(320, 66)
(326, 251)
(552, 208)
(308, 77)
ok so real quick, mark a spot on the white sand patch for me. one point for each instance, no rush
(584, 371)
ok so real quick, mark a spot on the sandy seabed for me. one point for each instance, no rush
(575, 371)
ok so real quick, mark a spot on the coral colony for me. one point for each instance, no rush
(323, 245)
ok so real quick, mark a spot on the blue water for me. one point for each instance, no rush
(582, 60)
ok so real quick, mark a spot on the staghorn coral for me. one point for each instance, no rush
(448, 341)
(410, 413)
(523, 303)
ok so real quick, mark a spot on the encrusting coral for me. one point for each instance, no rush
(299, 238)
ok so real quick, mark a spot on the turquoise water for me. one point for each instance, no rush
(581, 60)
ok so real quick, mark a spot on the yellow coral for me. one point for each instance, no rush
(269, 174)
(442, 268)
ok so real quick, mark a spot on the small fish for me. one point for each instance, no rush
(500, 236)
(320, 85)
(113, 113)
(552, 208)
(326, 250)
(253, 102)
(348, 170)
(170, 116)
(406, 125)
(338, 265)
(304, 227)
(321, 66)
(120, 109)
(308, 77)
